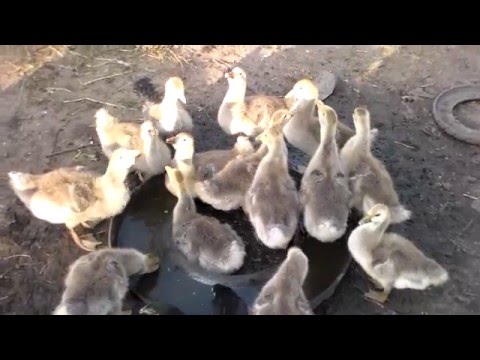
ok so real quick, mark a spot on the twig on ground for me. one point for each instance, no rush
(98, 102)
(176, 58)
(470, 196)
(220, 61)
(463, 230)
(428, 84)
(115, 61)
(78, 54)
(122, 87)
(53, 89)
(6, 273)
(407, 146)
(66, 67)
(426, 132)
(20, 97)
(15, 256)
(42, 269)
(58, 52)
(425, 96)
(106, 77)
(71, 150)
(54, 146)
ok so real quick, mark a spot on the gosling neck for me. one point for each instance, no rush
(327, 134)
(378, 229)
(291, 278)
(152, 150)
(187, 169)
(277, 152)
(236, 92)
(169, 112)
(148, 143)
(184, 153)
(262, 150)
(306, 108)
(115, 174)
(363, 139)
(170, 98)
(362, 133)
(362, 127)
(303, 111)
(185, 203)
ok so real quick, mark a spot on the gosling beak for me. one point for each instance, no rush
(365, 220)
(288, 116)
(182, 98)
(171, 140)
(258, 138)
(290, 94)
(229, 74)
(294, 107)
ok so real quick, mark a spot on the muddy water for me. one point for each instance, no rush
(146, 226)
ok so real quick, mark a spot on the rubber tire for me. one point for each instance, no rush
(443, 106)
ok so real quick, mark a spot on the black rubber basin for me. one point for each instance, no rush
(146, 225)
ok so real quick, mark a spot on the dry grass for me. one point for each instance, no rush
(164, 53)
(159, 52)
(17, 61)
(386, 51)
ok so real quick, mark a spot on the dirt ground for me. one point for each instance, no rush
(50, 94)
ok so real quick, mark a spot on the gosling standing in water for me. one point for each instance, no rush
(283, 293)
(272, 201)
(324, 191)
(371, 182)
(203, 239)
(97, 283)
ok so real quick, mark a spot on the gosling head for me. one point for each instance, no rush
(378, 214)
(280, 118)
(174, 89)
(274, 130)
(304, 89)
(183, 144)
(283, 293)
(297, 262)
(103, 119)
(326, 115)
(269, 136)
(123, 159)
(236, 76)
(361, 119)
(148, 131)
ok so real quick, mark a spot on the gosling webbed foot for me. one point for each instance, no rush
(85, 242)
(379, 297)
